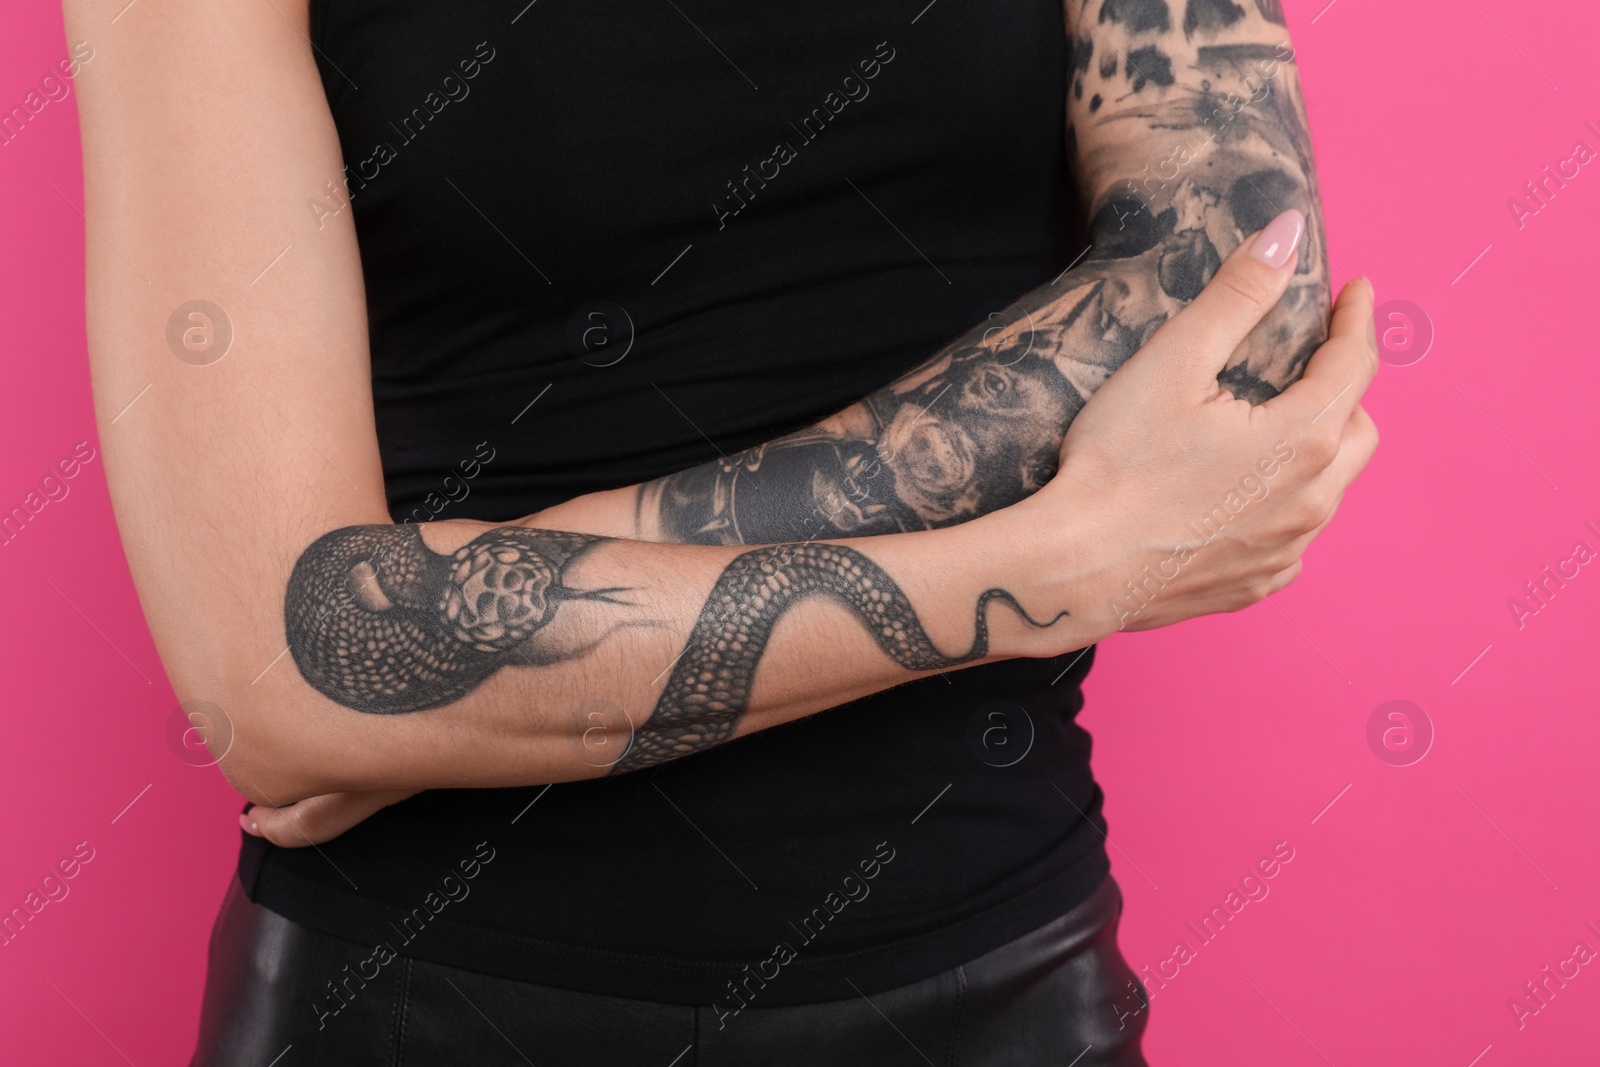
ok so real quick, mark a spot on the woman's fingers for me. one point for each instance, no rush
(1356, 448)
(315, 819)
(1340, 370)
(1282, 579)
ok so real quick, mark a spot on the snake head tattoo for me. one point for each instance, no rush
(379, 622)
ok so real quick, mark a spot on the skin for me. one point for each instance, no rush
(227, 477)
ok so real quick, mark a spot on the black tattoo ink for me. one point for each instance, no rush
(1187, 265)
(1124, 227)
(1210, 15)
(1257, 198)
(1238, 55)
(379, 622)
(1243, 383)
(1137, 15)
(1149, 64)
(709, 689)
(1080, 51)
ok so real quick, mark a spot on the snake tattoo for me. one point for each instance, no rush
(379, 622)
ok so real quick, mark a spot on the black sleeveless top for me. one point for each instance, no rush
(573, 283)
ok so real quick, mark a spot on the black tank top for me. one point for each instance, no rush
(603, 241)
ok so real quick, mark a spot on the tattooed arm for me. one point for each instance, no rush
(1189, 132)
(1186, 132)
(349, 654)
(539, 649)
(532, 644)
(381, 621)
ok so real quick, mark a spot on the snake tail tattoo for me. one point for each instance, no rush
(379, 622)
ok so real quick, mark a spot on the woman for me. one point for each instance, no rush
(620, 481)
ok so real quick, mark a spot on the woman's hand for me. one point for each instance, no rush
(1194, 501)
(316, 819)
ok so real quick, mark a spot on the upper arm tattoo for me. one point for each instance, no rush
(1185, 133)
(1189, 133)
(379, 622)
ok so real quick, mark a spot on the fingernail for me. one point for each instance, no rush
(1275, 244)
(249, 826)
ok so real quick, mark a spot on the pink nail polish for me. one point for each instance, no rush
(248, 825)
(1277, 243)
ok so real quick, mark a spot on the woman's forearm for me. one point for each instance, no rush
(460, 654)
(1183, 140)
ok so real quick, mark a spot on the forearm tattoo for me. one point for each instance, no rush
(379, 622)
(1186, 133)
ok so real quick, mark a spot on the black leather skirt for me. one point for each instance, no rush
(282, 995)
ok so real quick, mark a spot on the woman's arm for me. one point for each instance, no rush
(1239, 540)
(352, 654)
(1185, 134)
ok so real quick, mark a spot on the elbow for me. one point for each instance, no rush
(281, 747)
(268, 769)
(247, 783)
(276, 752)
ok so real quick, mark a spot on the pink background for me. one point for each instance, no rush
(1415, 905)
